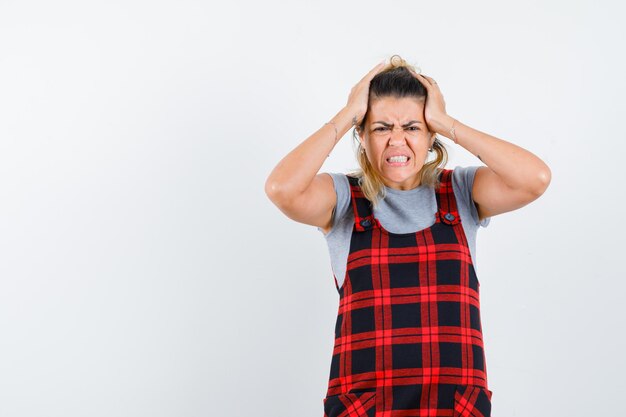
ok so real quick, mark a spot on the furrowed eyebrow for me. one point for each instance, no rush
(391, 125)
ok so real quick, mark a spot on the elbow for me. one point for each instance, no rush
(276, 192)
(543, 181)
(271, 189)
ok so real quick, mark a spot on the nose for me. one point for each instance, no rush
(397, 139)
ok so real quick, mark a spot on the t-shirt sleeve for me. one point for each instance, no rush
(465, 177)
(342, 190)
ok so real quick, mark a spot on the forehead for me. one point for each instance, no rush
(392, 108)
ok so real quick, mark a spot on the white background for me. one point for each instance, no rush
(143, 270)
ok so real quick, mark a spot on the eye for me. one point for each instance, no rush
(414, 127)
(378, 128)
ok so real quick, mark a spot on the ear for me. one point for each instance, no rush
(361, 134)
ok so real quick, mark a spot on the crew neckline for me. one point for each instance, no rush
(406, 192)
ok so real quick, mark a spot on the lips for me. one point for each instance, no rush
(398, 164)
(398, 153)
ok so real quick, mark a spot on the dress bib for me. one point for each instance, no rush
(408, 334)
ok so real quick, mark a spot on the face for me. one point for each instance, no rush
(396, 126)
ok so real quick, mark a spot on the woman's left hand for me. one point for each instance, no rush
(435, 106)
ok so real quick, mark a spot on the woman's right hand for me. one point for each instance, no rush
(295, 186)
(359, 95)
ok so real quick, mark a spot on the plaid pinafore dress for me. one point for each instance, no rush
(408, 335)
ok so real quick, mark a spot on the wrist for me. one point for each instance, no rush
(345, 119)
(442, 125)
(446, 126)
(353, 114)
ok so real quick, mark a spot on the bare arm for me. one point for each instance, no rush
(295, 186)
(513, 177)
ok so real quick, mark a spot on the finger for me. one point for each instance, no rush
(430, 81)
(382, 64)
(379, 67)
(423, 80)
(413, 71)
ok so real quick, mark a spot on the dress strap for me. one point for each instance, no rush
(447, 210)
(361, 207)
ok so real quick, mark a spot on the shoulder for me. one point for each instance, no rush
(462, 184)
(463, 176)
(340, 180)
(342, 190)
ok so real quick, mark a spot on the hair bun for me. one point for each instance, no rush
(396, 61)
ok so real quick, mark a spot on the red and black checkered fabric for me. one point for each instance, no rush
(408, 335)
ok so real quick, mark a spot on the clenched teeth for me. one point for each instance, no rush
(398, 159)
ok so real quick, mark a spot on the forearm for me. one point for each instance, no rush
(517, 167)
(296, 170)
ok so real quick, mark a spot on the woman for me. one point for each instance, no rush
(401, 234)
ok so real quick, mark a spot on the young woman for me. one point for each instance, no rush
(401, 234)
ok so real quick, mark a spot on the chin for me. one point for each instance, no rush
(400, 176)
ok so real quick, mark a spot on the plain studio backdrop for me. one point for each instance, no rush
(143, 270)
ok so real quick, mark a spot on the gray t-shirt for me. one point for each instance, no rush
(401, 212)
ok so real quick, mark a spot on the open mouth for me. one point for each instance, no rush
(398, 161)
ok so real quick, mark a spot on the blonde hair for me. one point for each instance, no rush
(395, 81)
